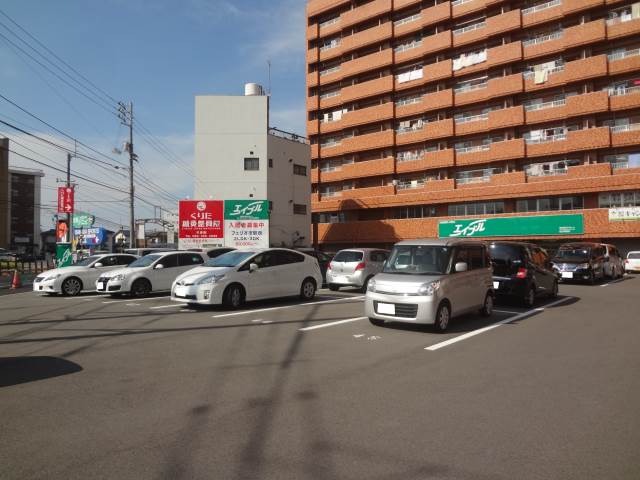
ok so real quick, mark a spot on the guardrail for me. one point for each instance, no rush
(35, 266)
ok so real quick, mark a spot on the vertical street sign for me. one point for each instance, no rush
(65, 199)
(246, 223)
(201, 224)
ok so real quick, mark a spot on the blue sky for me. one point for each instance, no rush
(159, 54)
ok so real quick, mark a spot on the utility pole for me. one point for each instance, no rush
(126, 117)
(69, 215)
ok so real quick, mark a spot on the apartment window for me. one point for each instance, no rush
(481, 208)
(549, 204)
(299, 170)
(624, 160)
(619, 199)
(334, 217)
(271, 163)
(299, 209)
(251, 163)
(419, 211)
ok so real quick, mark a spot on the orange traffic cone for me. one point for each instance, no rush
(16, 282)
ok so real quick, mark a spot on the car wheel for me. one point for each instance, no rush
(233, 297)
(141, 288)
(554, 290)
(443, 315)
(529, 299)
(376, 322)
(72, 286)
(487, 307)
(333, 287)
(308, 289)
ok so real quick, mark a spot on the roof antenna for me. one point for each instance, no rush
(269, 87)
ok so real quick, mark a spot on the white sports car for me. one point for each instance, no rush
(80, 276)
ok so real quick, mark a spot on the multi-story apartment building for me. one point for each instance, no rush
(421, 112)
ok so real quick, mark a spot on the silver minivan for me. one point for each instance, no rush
(431, 281)
(355, 267)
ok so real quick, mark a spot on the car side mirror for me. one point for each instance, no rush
(158, 266)
(253, 267)
(98, 265)
(461, 267)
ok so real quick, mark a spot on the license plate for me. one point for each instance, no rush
(567, 274)
(100, 286)
(180, 291)
(496, 285)
(387, 308)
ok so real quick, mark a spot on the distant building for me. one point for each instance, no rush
(19, 205)
(238, 157)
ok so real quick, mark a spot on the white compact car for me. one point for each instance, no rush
(251, 274)
(154, 272)
(80, 276)
(632, 262)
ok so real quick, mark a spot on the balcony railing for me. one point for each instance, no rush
(531, 73)
(621, 19)
(542, 6)
(329, 71)
(331, 46)
(405, 185)
(546, 173)
(475, 148)
(331, 143)
(332, 193)
(469, 28)
(625, 128)
(408, 101)
(415, 128)
(409, 156)
(615, 165)
(330, 22)
(481, 179)
(542, 39)
(407, 46)
(626, 54)
(324, 96)
(542, 106)
(406, 20)
(288, 135)
(470, 88)
(614, 92)
(473, 118)
(457, 3)
(548, 138)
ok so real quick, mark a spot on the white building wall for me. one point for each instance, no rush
(286, 189)
(228, 129)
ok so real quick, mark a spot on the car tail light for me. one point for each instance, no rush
(361, 266)
(330, 266)
(522, 273)
(626, 260)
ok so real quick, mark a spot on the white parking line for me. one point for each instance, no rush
(460, 338)
(506, 311)
(133, 304)
(83, 297)
(331, 324)
(284, 307)
(173, 305)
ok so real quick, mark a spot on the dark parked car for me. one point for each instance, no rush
(323, 260)
(523, 271)
(580, 261)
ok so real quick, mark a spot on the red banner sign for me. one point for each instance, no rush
(201, 222)
(65, 199)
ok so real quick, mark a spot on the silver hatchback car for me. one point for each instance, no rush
(431, 281)
(355, 267)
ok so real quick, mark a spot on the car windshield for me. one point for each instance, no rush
(418, 260)
(230, 259)
(144, 261)
(348, 256)
(634, 255)
(573, 253)
(85, 262)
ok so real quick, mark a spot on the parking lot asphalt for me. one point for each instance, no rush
(95, 387)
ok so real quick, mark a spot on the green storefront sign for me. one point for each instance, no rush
(539, 225)
(83, 220)
(246, 210)
(63, 255)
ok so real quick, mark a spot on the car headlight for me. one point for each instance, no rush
(210, 279)
(118, 278)
(53, 277)
(429, 289)
(584, 265)
(371, 286)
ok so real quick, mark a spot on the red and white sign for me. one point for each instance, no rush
(201, 223)
(65, 199)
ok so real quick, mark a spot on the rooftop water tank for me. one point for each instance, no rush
(253, 89)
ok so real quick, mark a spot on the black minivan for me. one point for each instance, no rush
(522, 270)
(582, 261)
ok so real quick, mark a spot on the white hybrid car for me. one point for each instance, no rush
(250, 274)
(80, 276)
(154, 272)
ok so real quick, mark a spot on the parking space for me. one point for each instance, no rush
(223, 393)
